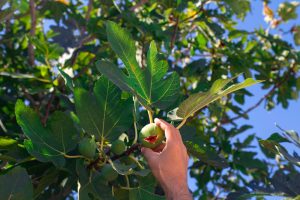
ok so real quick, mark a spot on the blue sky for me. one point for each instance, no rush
(263, 121)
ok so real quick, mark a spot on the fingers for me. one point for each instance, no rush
(149, 155)
(160, 147)
(170, 132)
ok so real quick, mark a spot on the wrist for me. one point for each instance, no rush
(178, 192)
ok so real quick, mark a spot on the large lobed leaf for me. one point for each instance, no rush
(149, 84)
(103, 113)
(91, 184)
(16, 185)
(206, 155)
(48, 143)
(198, 101)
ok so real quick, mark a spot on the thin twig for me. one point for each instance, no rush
(84, 69)
(201, 9)
(88, 12)
(48, 107)
(32, 32)
(174, 33)
(30, 98)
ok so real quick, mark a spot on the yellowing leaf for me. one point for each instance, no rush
(198, 101)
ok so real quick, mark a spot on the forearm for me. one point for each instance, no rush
(178, 192)
(186, 195)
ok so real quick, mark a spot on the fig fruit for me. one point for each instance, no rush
(109, 173)
(151, 136)
(118, 147)
(87, 147)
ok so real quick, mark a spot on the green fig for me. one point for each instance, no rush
(118, 147)
(87, 147)
(151, 136)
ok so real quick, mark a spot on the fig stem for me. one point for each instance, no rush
(102, 143)
(150, 116)
(135, 130)
(136, 161)
(127, 181)
(73, 156)
(181, 124)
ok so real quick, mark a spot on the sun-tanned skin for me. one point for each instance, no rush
(169, 163)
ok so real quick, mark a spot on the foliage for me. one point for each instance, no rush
(82, 70)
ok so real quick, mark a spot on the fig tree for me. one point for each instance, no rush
(151, 136)
(87, 147)
(118, 147)
(109, 173)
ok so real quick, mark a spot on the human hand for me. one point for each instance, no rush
(169, 163)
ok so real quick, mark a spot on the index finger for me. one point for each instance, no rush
(170, 131)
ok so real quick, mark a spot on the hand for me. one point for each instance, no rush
(169, 163)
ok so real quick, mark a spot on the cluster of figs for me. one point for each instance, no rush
(150, 136)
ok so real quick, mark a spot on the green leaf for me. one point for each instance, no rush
(121, 168)
(49, 177)
(16, 185)
(291, 135)
(103, 114)
(5, 14)
(239, 7)
(150, 84)
(297, 35)
(48, 143)
(276, 148)
(145, 190)
(68, 80)
(276, 137)
(91, 183)
(198, 101)
(287, 10)
(206, 155)
(24, 76)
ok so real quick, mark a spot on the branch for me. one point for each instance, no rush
(88, 12)
(201, 9)
(44, 120)
(277, 85)
(32, 32)
(30, 98)
(79, 48)
(127, 152)
(174, 33)
(84, 69)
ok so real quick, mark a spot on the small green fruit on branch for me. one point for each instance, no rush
(87, 147)
(151, 136)
(118, 147)
(127, 152)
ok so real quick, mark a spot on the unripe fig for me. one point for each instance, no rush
(118, 147)
(151, 136)
(109, 173)
(87, 147)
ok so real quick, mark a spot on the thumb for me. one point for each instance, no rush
(149, 155)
